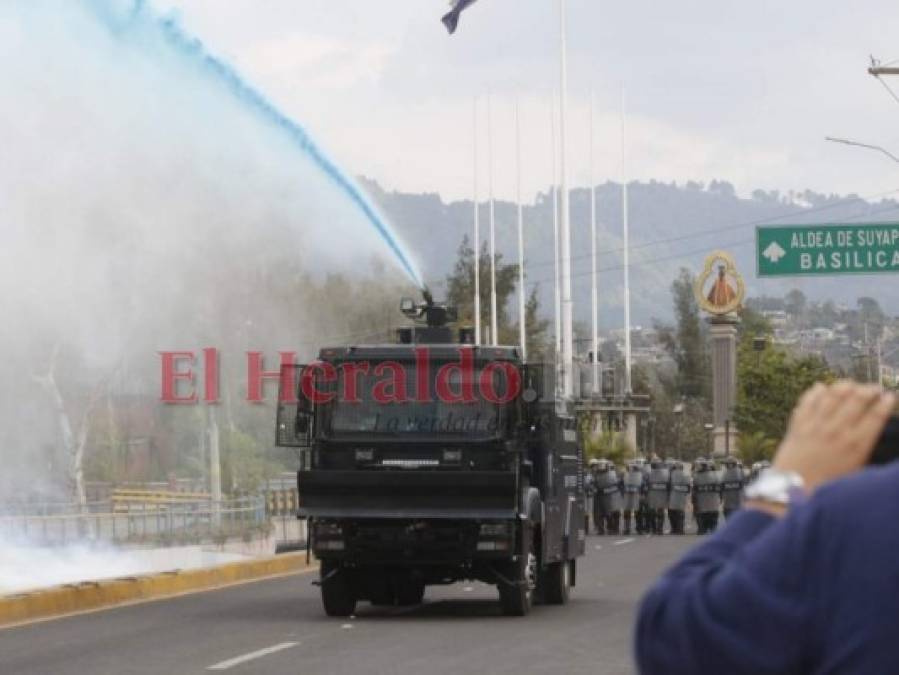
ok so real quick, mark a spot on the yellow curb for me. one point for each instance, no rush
(76, 598)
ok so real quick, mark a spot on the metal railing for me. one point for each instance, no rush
(176, 523)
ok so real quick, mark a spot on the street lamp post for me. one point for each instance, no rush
(846, 141)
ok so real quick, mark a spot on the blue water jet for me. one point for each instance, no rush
(122, 18)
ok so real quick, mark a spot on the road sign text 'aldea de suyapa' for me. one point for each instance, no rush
(793, 250)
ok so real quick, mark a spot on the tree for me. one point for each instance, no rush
(795, 304)
(871, 319)
(606, 444)
(536, 329)
(686, 341)
(755, 447)
(769, 385)
(460, 290)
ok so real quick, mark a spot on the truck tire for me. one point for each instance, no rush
(338, 598)
(518, 598)
(557, 580)
(409, 592)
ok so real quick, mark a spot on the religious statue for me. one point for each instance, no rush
(725, 294)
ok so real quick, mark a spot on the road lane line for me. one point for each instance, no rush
(622, 541)
(237, 660)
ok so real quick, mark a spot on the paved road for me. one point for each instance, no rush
(277, 626)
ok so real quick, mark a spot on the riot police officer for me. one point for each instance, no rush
(681, 486)
(757, 468)
(607, 491)
(588, 495)
(633, 494)
(590, 490)
(644, 522)
(706, 495)
(732, 483)
(657, 495)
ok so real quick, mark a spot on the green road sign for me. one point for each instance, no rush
(794, 250)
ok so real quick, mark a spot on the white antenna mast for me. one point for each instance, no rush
(565, 224)
(477, 236)
(594, 291)
(522, 329)
(627, 251)
(557, 289)
(494, 337)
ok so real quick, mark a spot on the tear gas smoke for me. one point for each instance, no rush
(149, 199)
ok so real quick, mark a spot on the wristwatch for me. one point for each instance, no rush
(777, 487)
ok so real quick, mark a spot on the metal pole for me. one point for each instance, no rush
(557, 289)
(565, 225)
(477, 237)
(594, 291)
(877, 71)
(493, 319)
(522, 329)
(627, 253)
(215, 469)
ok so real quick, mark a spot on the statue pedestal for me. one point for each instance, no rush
(724, 383)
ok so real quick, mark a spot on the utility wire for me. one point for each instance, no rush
(727, 228)
(888, 88)
(684, 254)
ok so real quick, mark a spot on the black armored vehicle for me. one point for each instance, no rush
(434, 460)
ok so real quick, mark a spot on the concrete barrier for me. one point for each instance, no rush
(76, 598)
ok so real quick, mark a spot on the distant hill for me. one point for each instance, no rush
(672, 226)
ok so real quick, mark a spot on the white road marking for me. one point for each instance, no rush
(468, 589)
(598, 547)
(347, 626)
(623, 541)
(237, 660)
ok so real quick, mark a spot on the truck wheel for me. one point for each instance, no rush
(517, 599)
(337, 591)
(558, 582)
(409, 593)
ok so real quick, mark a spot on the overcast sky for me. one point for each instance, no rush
(740, 91)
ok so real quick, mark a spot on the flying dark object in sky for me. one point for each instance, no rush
(451, 20)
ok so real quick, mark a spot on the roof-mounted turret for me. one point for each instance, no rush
(435, 317)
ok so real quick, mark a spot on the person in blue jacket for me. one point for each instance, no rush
(805, 579)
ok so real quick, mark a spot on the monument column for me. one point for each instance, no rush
(724, 382)
(720, 294)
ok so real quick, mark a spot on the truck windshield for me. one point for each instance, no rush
(388, 401)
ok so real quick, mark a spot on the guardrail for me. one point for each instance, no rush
(149, 500)
(177, 523)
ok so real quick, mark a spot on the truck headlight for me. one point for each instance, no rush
(493, 545)
(330, 545)
(452, 456)
(326, 530)
(494, 529)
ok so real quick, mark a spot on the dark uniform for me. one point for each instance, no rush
(733, 481)
(632, 489)
(681, 486)
(706, 496)
(644, 522)
(657, 495)
(607, 500)
(588, 498)
(757, 468)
